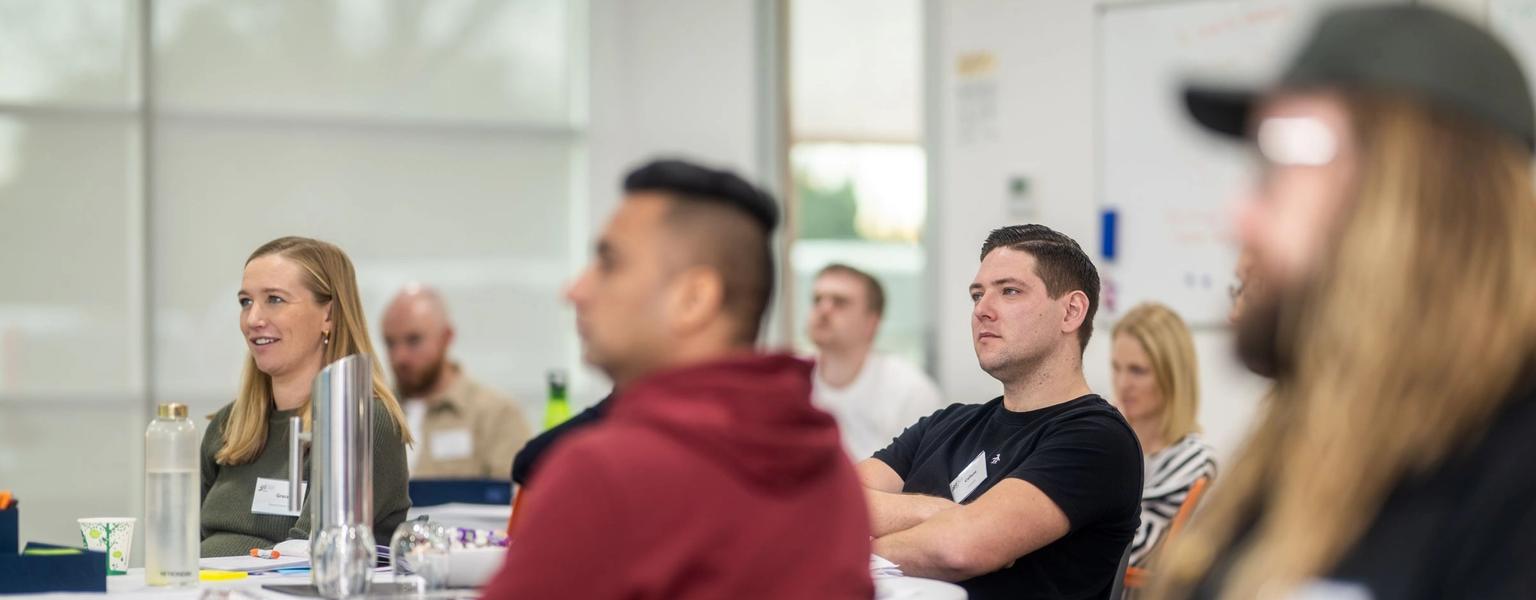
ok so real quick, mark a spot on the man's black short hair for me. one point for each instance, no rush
(730, 220)
(688, 180)
(1059, 262)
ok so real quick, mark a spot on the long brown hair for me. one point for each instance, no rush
(1410, 340)
(330, 277)
(1171, 350)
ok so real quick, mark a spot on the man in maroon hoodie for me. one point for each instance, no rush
(712, 476)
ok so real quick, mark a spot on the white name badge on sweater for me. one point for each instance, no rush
(969, 479)
(271, 497)
(453, 444)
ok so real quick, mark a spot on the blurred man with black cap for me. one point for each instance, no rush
(711, 475)
(1392, 226)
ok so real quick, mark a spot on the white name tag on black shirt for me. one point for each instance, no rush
(969, 479)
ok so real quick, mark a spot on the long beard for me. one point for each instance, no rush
(425, 382)
(1265, 343)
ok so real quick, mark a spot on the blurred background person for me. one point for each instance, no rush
(1391, 225)
(299, 311)
(873, 395)
(466, 430)
(712, 462)
(1157, 388)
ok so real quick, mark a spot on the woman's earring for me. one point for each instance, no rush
(327, 338)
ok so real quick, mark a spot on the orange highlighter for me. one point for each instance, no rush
(5, 499)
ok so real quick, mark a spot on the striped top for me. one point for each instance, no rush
(1170, 473)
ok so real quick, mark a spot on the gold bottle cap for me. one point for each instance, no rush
(172, 410)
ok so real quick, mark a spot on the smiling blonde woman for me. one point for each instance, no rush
(299, 311)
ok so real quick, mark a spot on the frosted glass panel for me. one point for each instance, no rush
(67, 461)
(434, 140)
(65, 191)
(69, 51)
(487, 220)
(856, 68)
(452, 59)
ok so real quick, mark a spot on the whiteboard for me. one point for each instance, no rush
(1171, 185)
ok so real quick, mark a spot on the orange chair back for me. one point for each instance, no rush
(1137, 577)
(1185, 510)
(517, 503)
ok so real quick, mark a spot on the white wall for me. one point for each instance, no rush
(672, 78)
(1043, 54)
(1477, 10)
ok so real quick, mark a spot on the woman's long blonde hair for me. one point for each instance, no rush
(1166, 340)
(330, 277)
(1412, 337)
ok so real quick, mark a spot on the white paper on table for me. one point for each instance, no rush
(916, 588)
(251, 564)
(880, 566)
(293, 548)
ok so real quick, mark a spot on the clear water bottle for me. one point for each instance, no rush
(171, 503)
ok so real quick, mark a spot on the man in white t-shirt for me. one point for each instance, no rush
(873, 395)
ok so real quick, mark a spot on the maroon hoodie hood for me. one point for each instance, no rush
(718, 480)
(750, 412)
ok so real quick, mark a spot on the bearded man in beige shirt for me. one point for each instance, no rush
(463, 429)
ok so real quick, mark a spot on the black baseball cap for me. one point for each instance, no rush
(1448, 62)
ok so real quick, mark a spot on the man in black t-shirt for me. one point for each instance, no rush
(1034, 494)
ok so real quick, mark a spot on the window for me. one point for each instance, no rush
(144, 155)
(859, 188)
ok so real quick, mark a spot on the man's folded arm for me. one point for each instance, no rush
(890, 510)
(1010, 520)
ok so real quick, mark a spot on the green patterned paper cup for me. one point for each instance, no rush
(112, 535)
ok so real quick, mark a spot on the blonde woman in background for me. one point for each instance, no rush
(1158, 390)
(299, 311)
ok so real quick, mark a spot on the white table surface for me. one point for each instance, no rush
(132, 586)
